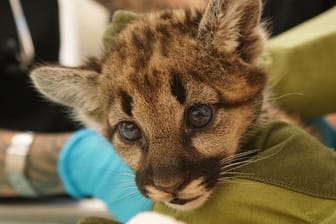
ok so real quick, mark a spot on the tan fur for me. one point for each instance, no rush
(159, 67)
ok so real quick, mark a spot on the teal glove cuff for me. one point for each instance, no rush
(89, 166)
(64, 165)
(326, 131)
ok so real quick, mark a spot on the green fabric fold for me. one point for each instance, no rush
(302, 66)
(291, 158)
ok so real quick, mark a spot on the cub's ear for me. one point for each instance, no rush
(73, 87)
(233, 26)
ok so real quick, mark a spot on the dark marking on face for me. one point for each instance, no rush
(192, 22)
(198, 16)
(119, 47)
(181, 27)
(162, 29)
(177, 88)
(121, 50)
(188, 25)
(148, 46)
(144, 47)
(166, 15)
(188, 17)
(136, 41)
(165, 35)
(126, 102)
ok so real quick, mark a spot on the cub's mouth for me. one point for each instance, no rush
(179, 201)
(182, 183)
(189, 197)
(188, 204)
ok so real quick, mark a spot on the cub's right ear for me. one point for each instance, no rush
(74, 87)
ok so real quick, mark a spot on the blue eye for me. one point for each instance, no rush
(199, 116)
(129, 131)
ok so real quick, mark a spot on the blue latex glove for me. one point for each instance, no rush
(89, 166)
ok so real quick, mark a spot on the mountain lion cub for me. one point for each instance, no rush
(176, 94)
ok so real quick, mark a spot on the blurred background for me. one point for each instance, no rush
(66, 32)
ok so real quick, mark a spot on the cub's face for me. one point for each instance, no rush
(175, 96)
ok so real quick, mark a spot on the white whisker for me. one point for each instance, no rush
(276, 98)
(238, 156)
(253, 160)
(235, 164)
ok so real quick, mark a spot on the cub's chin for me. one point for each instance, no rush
(190, 197)
(188, 204)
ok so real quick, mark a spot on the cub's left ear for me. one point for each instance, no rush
(73, 87)
(233, 26)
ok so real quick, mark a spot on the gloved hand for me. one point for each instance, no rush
(89, 166)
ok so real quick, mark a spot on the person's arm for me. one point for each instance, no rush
(5, 139)
(82, 164)
(41, 165)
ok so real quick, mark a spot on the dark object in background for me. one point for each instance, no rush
(21, 107)
(285, 14)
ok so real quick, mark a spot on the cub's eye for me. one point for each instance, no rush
(199, 116)
(129, 131)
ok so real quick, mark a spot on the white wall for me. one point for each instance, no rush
(82, 23)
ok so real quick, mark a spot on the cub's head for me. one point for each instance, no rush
(175, 95)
